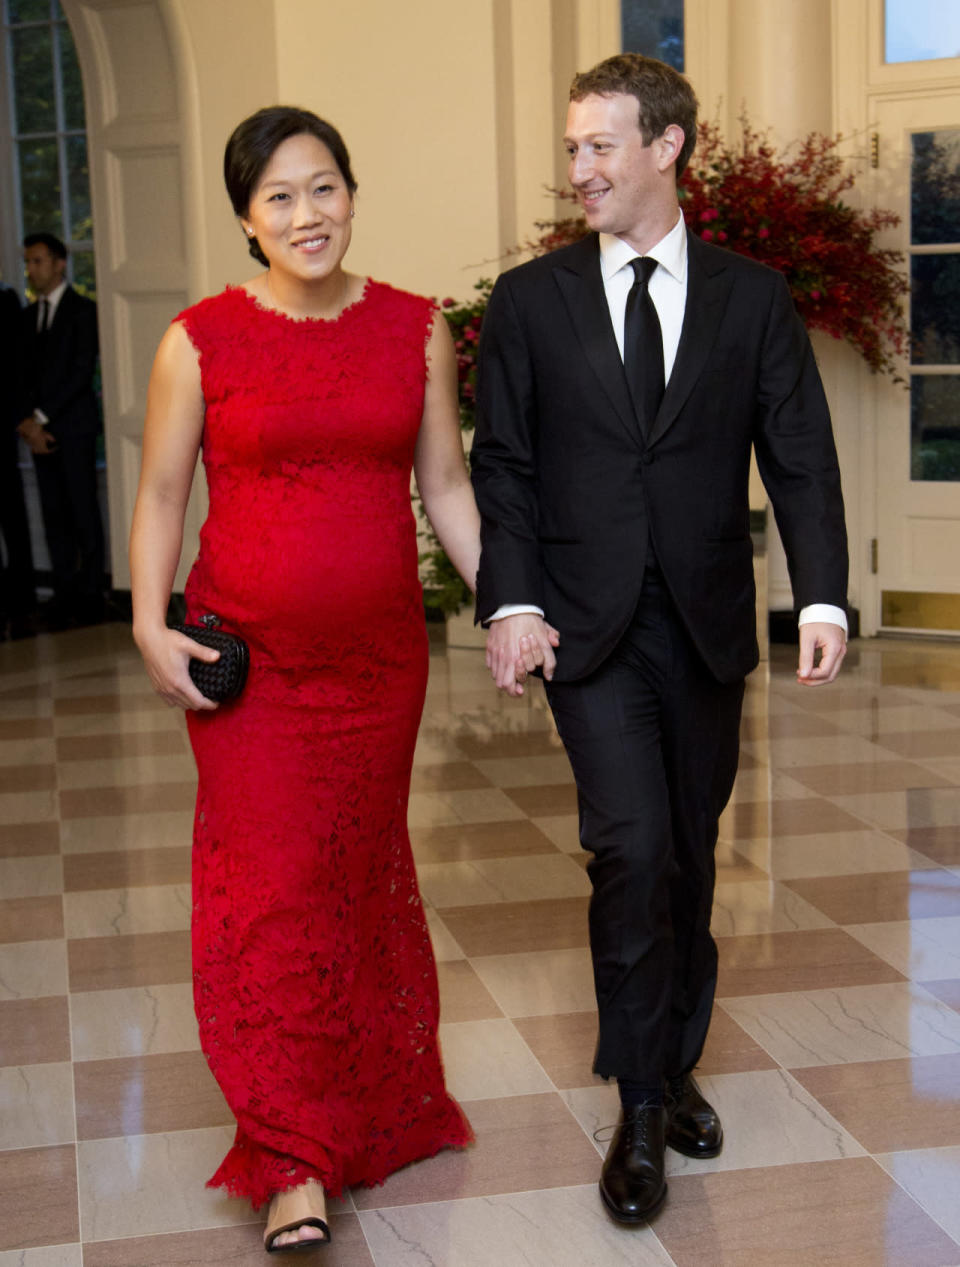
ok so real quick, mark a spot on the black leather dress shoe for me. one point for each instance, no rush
(693, 1127)
(632, 1184)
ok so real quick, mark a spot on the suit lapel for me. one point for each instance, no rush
(708, 287)
(581, 285)
(65, 298)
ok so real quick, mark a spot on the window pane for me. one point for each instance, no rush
(71, 83)
(29, 10)
(32, 49)
(921, 30)
(40, 187)
(935, 427)
(935, 309)
(935, 188)
(654, 27)
(84, 277)
(78, 174)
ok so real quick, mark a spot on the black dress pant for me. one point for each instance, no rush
(653, 740)
(67, 481)
(17, 594)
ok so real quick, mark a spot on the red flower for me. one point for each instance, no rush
(449, 303)
(859, 289)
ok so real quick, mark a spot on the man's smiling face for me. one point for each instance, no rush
(620, 182)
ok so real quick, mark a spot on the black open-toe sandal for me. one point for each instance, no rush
(294, 1209)
(298, 1247)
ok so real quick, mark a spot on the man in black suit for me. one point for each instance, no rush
(17, 595)
(623, 382)
(60, 422)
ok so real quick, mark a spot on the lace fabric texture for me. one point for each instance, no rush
(314, 980)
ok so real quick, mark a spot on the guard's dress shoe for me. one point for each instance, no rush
(632, 1185)
(693, 1127)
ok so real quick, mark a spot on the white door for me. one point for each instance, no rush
(918, 440)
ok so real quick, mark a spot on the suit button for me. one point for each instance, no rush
(648, 458)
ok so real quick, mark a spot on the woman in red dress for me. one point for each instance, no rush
(311, 392)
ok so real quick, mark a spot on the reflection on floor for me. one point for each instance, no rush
(834, 1056)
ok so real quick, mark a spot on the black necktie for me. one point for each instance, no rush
(643, 345)
(44, 316)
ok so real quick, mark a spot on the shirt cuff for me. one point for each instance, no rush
(825, 612)
(514, 609)
(41, 417)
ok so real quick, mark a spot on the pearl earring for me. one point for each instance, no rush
(249, 232)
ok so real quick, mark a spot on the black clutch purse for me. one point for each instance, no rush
(225, 678)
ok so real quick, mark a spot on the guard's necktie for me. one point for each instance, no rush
(44, 316)
(643, 345)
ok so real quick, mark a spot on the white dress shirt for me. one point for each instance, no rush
(668, 291)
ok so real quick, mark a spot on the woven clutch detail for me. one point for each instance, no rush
(225, 678)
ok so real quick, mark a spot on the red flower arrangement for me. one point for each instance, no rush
(464, 320)
(785, 211)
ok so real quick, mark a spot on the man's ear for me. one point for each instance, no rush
(670, 143)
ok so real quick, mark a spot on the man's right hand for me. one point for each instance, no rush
(38, 438)
(516, 645)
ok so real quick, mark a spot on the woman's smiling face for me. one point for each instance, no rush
(300, 211)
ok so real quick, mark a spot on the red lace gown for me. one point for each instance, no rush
(314, 980)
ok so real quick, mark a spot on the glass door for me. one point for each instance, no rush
(918, 547)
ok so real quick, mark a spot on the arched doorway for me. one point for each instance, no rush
(130, 56)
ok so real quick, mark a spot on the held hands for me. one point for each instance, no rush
(166, 655)
(516, 645)
(831, 642)
(38, 438)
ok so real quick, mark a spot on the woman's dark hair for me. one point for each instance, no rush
(253, 143)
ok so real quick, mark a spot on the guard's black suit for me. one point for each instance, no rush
(59, 367)
(639, 552)
(17, 595)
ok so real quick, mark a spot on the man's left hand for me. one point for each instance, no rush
(831, 641)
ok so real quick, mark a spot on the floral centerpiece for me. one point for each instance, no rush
(788, 211)
(785, 210)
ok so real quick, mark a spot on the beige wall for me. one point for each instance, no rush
(411, 87)
(226, 68)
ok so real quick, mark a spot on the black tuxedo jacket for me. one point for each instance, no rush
(10, 333)
(571, 494)
(59, 366)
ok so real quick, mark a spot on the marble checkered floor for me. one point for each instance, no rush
(834, 1056)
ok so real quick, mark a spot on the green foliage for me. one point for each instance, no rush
(444, 589)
